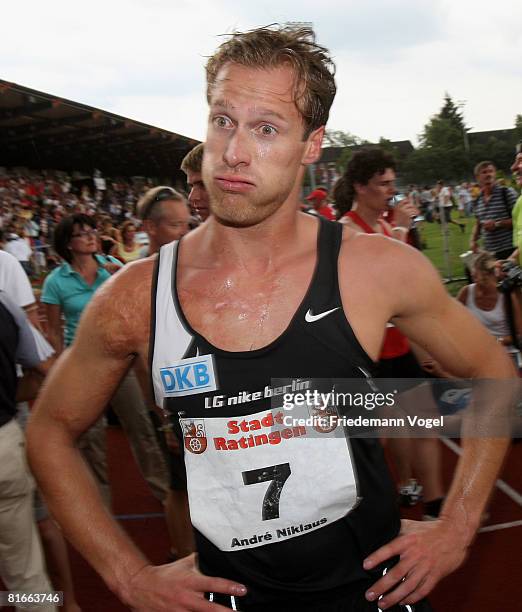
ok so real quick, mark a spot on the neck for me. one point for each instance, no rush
(256, 249)
(487, 189)
(367, 214)
(83, 261)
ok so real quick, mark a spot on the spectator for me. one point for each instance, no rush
(516, 257)
(165, 217)
(22, 563)
(446, 204)
(67, 291)
(198, 197)
(490, 306)
(493, 209)
(127, 249)
(317, 199)
(20, 248)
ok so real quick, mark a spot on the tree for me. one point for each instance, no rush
(443, 151)
(452, 113)
(518, 127)
(338, 138)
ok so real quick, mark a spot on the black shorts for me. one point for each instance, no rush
(347, 603)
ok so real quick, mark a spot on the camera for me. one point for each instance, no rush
(513, 277)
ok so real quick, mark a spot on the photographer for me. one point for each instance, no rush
(498, 311)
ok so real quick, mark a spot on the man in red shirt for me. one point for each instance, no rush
(318, 200)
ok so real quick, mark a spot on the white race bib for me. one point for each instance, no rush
(260, 479)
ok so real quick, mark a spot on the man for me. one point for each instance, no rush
(165, 217)
(446, 204)
(366, 190)
(20, 248)
(21, 558)
(493, 210)
(249, 296)
(317, 199)
(516, 256)
(198, 197)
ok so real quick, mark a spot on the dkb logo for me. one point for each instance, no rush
(188, 376)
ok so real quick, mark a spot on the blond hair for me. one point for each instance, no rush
(275, 45)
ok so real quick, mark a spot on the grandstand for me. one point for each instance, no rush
(39, 130)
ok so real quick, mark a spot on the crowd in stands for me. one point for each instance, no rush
(32, 204)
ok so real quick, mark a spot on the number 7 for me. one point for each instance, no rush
(278, 474)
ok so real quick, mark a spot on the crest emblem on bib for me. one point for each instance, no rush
(325, 419)
(194, 436)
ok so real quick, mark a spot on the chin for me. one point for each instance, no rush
(237, 211)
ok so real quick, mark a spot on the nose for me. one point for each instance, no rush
(237, 150)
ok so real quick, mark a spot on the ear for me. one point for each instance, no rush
(148, 227)
(358, 188)
(313, 151)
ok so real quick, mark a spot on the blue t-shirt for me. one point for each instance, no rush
(67, 288)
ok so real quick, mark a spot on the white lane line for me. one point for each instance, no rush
(500, 526)
(501, 484)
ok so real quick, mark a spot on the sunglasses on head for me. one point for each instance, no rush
(163, 194)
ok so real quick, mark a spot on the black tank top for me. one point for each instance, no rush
(302, 528)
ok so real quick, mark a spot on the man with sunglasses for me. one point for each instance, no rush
(165, 216)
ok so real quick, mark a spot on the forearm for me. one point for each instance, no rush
(475, 232)
(75, 502)
(28, 386)
(56, 340)
(475, 476)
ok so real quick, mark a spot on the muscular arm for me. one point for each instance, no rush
(112, 334)
(407, 290)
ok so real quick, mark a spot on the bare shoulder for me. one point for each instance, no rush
(387, 269)
(117, 319)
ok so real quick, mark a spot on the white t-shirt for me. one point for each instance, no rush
(445, 197)
(14, 281)
(19, 248)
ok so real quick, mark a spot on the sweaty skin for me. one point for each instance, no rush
(260, 246)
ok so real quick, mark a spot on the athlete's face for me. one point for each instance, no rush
(254, 151)
(378, 192)
(198, 196)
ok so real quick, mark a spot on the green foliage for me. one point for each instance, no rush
(451, 112)
(343, 160)
(518, 127)
(338, 138)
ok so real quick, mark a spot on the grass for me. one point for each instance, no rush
(458, 243)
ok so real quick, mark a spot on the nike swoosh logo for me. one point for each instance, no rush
(310, 318)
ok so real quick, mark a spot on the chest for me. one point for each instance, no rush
(486, 301)
(78, 291)
(241, 310)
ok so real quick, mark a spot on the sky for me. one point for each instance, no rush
(144, 59)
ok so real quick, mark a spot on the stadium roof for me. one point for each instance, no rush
(38, 130)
